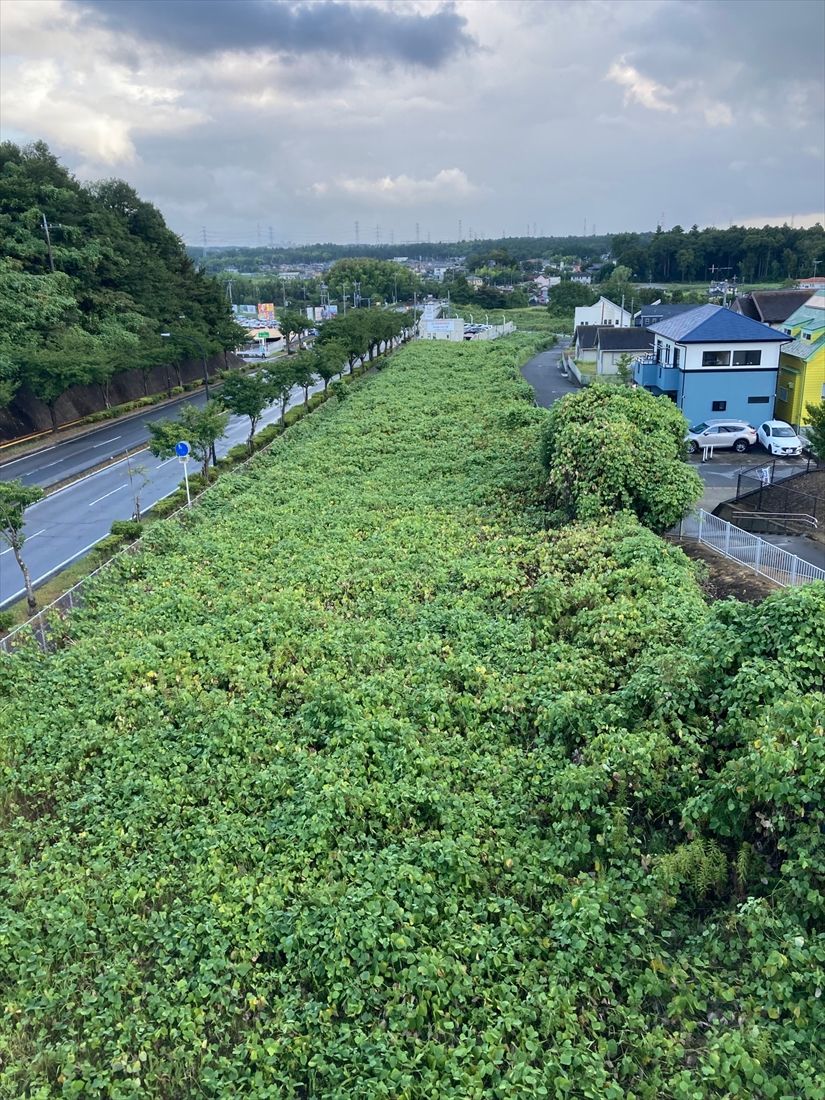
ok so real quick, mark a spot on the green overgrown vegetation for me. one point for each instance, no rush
(363, 781)
(89, 278)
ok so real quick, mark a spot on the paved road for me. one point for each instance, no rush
(544, 375)
(71, 457)
(67, 524)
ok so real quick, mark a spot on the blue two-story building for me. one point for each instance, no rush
(713, 362)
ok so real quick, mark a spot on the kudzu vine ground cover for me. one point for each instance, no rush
(362, 782)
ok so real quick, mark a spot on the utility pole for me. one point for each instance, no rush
(460, 237)
(357, 233)
(271, 238)
(203, 248)
(48, 242)
(417, 233)
(816, 264)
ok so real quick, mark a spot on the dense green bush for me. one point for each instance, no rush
(127, 529)
(610, 448)
(360, 783)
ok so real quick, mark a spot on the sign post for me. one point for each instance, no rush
(182, 451)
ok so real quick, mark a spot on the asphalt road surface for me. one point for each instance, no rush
(543, 372)
(72, 457)
(67, 524)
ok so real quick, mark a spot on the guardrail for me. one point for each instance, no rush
(778, 565)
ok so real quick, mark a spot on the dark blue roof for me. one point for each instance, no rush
(713, 325)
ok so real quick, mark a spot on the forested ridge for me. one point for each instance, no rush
(89, 277)
(366, 780)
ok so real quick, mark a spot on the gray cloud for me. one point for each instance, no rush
(351, 30)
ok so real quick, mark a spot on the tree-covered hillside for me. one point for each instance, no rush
(89, 278)
(364, 781)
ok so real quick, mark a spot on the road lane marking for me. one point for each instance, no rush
(48, 465)
(105, 441)
(87, 477)
(50, 572)
(27, 539)
(117, 490)
(166, 463)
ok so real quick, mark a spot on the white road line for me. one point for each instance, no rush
(28, 539)
(117, 490)
(23, 458)
(50, 572)
(160, 465)
(87, 477)
(48, 465)
(105, 441)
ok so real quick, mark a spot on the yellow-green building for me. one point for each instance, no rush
(801, 378)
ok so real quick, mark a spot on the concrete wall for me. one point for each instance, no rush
(28, 414)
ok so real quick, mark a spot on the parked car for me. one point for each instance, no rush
(737, 434)
(779, 438)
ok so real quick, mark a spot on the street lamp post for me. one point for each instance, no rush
(196, 344)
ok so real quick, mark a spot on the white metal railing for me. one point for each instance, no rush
(798, 517)
(762, 557)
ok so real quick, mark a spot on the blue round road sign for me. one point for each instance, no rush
(181, 449)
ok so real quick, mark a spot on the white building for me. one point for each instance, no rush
(604, 312)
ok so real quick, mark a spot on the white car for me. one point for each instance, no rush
(719, 434)
(779, 438)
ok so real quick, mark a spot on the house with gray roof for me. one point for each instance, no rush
(771, 307)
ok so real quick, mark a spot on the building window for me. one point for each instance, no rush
(747, 358)
(806, 335)
(718, 406)
(759, 400)
(676, 355)
(715, 358)
(783, 393)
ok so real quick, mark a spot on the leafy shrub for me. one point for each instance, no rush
(365, 784)
(611, 448)
(6, 621)
(127, 529)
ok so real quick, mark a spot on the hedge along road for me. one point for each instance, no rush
(67, 524)
(73, 457)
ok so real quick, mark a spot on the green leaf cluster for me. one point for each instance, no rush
(359, 782)
(116, 278)
(608, 449)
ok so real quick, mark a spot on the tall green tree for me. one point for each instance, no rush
(200, 427)
(248, 395)
(816, 430)
(304, 370)
(292, 324)
(330, 360)
(281, 380)
(15, 498)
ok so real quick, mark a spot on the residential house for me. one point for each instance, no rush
(475, 281)
(710, 361)
(801, 380)
(814, 283)
(584, 346)
(613, 343)
(658, 311)
(771, 307)
(604, 312)
(581, 277)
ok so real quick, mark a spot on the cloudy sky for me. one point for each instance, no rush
(290, 121)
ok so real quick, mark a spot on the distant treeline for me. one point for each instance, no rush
(520, 248)
(770, 254)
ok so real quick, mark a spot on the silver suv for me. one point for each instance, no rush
(737, 434)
